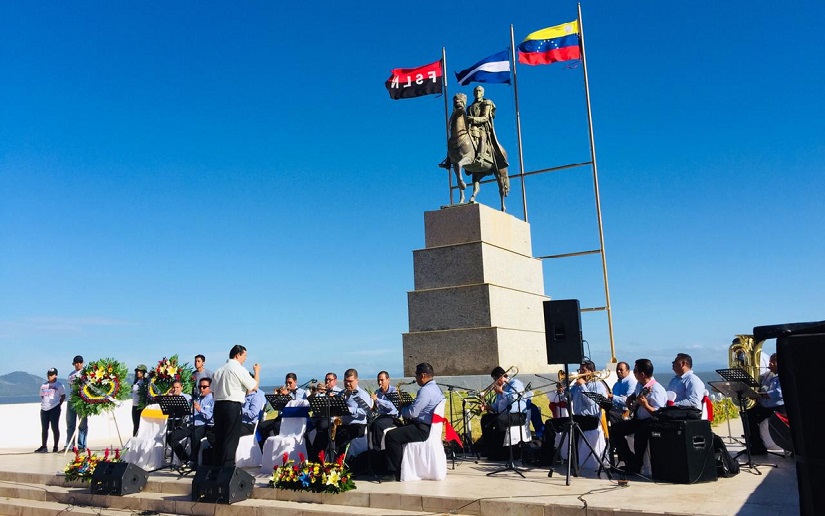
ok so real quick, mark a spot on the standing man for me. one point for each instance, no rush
(648, 397)
(200, 372)
(624, 387)
(419, 418)
(230, 384)
(688, 387)
(139, 395)
(71, 413)
(52, 396)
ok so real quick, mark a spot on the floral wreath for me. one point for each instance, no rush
(82, 467)
(316, 477)
(166, 372)
(99, 387)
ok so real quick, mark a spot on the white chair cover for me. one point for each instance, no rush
(147, 448)
(587, 459)
(512, 437)
(290, 440)
(426, 460)
(249, 454)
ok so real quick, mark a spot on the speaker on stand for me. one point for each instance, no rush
(118, 478)
(563, 331)
(221, 484)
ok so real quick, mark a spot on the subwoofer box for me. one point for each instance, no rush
(221, 484)
(118, 478)
(681, 452)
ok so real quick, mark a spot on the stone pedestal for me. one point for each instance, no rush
(478, 295)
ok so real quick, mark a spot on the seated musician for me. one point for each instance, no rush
(586, 412)
(649, 396)
(180, 429)
(319, 423)
(252, 410)
(689, 388)
(418, 417)
(770, 401)
(352, 424)
(386, 413)
(271, 427)
(509, 408)
(624, 387)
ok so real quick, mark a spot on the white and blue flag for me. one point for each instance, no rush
(494, 69)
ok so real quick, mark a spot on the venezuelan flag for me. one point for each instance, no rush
(545, 46)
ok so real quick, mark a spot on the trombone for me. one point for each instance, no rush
(486, 393)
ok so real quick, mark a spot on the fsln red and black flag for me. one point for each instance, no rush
(405, 83)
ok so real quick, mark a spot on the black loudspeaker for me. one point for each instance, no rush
(221, 484)
(118, 478)
(802, 392)
(681, 452)
(563, 331)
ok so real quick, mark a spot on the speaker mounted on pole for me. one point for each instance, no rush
(221, 484)
(118, 478)
(563, 331)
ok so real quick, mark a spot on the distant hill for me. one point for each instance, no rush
(19, 383)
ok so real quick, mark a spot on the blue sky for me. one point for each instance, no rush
(179, 177)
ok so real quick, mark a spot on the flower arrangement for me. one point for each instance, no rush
(166, 372)
(316, 477)
(83, 465)
(100, 387)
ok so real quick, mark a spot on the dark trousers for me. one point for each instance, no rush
(136, 420)
(50, 418)
(268, 428)
(227, 431)
(756, 415)
(492, 437)
(396, 439)
(640, 430)
(377, 428)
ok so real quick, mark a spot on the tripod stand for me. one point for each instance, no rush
(451, 389)
(571, 431)
(739, 384)
(520, 420)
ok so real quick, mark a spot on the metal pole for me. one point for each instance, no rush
(596, 189)
(518, 123)
(446, 115)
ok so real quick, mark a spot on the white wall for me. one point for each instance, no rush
(20, 427)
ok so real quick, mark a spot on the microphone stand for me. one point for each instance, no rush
(450, 390)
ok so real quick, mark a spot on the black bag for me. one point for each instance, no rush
(726, 466)
(678, 413)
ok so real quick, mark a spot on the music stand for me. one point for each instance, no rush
(739, 384)
(175, 408)
(571, 429)
(606, 405)
(466, 419)
(278, 401)
(511, 465)
(329, 407)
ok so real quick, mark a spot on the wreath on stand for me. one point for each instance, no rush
(166, 372)
(100, 387)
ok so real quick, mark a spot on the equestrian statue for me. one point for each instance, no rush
(473, 146)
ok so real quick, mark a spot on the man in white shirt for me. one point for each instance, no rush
(230, 385)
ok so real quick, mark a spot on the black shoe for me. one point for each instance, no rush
(54, 449)
(42, 449)
(759, 451)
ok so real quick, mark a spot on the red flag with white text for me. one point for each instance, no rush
(405, 83)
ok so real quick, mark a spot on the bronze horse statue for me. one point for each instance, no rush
(462, 154)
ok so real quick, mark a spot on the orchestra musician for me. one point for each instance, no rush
(509, 408)
(624, 387)
(649, 396)
(271, 427)
(385, 412)
(418, 417)
(770, 401)
(351, 425)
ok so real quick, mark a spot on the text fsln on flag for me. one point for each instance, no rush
(491, 69)
(407, 83)
(551, 45)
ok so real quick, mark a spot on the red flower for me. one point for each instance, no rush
(340, 460)
(285, 458)
(301, 457)
(321, 456)
(106, 454)
(117, 453)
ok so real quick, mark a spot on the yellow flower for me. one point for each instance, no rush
(332, 478)
(172, 370)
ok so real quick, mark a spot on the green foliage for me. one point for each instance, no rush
(99, 387)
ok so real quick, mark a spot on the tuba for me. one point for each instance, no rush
(745, 354)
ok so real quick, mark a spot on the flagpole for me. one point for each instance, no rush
(446, 116)
(518, 123)
(596, 189)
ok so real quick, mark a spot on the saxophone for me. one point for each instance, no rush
(336, 422)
